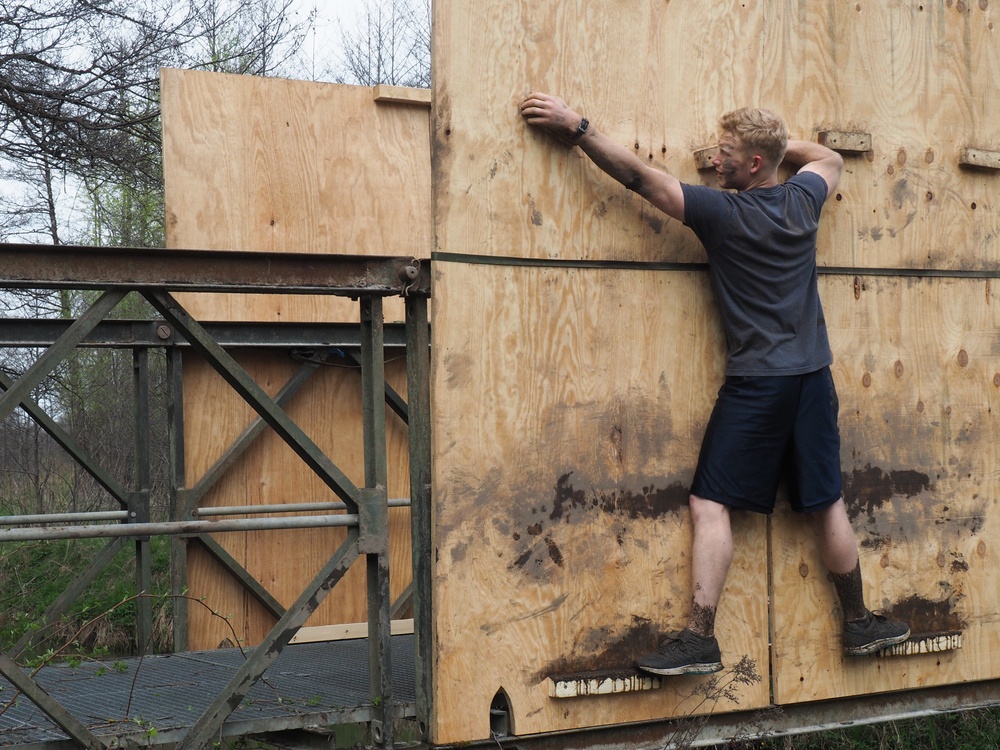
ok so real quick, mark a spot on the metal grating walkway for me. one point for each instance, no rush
(156, 699)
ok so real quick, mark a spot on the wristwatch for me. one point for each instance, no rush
(581, 129)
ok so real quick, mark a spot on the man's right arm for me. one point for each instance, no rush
(661, 189)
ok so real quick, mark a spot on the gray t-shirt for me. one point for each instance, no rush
(761, 246)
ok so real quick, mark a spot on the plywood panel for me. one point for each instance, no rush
(916, 78)
(275, 165)
(328, 409)
(656, 75)
(568, 413)
(917, 371)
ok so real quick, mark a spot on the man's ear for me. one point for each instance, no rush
(756, 164)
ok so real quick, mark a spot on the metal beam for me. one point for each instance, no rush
(245, 439)
(84, 267)
(125, 334)
(98, 531)
(70, 594)
(139, 504)
(375, 512)
(419, 413)
(70, 445)
(60, 349)
(254, 587)
(178, 509)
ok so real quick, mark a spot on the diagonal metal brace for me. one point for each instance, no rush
(209, 723)
(70, 445)
(243, 442)
(255, 396)
(49, 705)
(52, 356)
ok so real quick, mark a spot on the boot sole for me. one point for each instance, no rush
(703, 668)
(871, 648)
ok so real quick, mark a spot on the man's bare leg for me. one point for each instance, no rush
(839, 550)
(864, 632)
(711, 556)
(695, 650)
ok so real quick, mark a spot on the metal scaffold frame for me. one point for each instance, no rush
(156, 274)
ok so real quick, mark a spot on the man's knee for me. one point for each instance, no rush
(705, 511)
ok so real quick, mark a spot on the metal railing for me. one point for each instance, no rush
(156, 274)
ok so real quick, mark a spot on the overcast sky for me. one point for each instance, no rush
(330, 15)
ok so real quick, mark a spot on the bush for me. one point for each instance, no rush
(34, 574)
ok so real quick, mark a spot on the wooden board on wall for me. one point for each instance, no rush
(655, 76)
(566, 426)
(275, 165)
(327, 408)
(915, 78)
(918, 371)
(265, 164)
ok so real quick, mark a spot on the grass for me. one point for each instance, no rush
(102, 620)
(967, 730)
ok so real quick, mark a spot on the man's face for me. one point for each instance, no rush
(733, 166)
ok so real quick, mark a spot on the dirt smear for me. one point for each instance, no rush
(601, 652)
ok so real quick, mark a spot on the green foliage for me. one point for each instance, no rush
(34, 574)
(968, 730)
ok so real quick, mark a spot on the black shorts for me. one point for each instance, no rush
(765, 429)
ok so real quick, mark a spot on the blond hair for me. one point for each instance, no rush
(761, 131)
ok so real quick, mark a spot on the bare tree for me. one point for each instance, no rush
(391, 44)
(79, 114)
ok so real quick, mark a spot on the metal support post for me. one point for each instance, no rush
(376, 536)
(419, 411)
(178, 508)
(139, 511)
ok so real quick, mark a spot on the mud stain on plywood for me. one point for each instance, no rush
(580, 493)
(867, 490)
(927, 617)
(602, 651)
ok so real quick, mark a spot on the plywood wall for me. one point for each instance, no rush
(276, 165)
(328, 409)
(560, 385)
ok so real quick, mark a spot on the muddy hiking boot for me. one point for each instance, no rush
(683, 653)
(872, 634)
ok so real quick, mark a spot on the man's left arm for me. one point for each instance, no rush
(807, 156)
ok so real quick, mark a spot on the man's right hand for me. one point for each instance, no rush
(551, 114)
